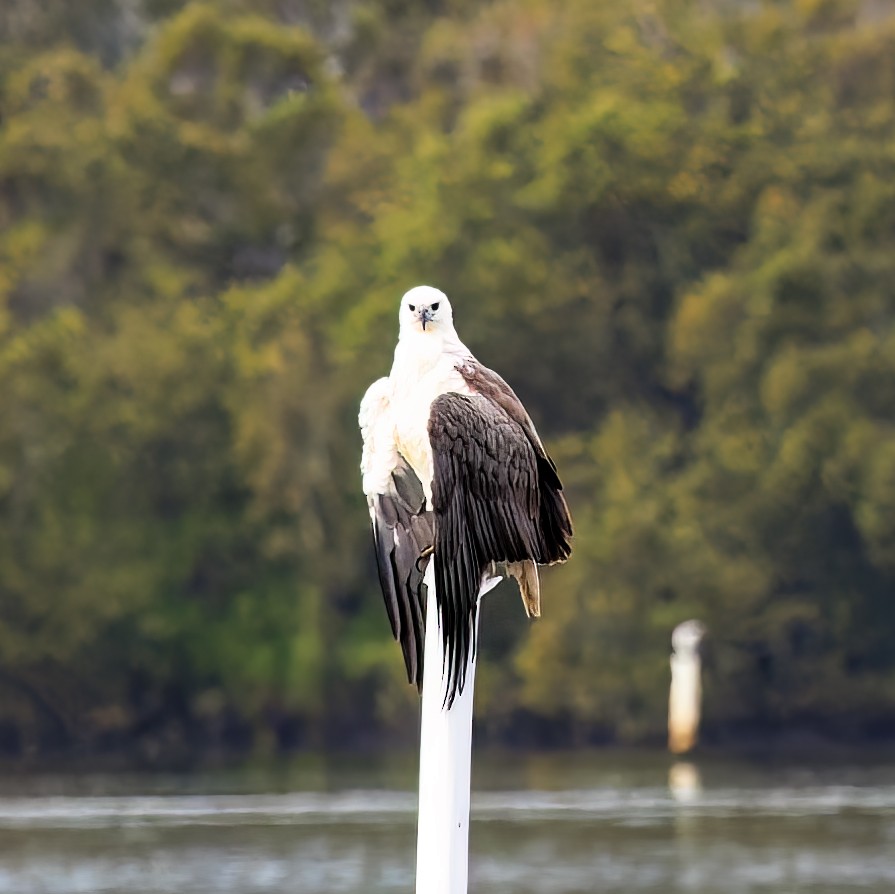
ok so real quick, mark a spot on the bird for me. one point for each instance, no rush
(685, 694)
(454, 472)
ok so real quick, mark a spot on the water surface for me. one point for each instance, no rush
(557, 824)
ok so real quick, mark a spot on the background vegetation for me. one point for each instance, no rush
(670, 225)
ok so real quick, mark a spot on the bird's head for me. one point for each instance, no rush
(425, 309)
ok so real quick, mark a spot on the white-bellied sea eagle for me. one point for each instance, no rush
(453, 468)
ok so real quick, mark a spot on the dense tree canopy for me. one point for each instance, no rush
(208, 213)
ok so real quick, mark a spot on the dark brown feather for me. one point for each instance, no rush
(555, 515)
(402, 531)
(496, 498)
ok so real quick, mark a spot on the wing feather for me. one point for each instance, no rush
(554, 512)
(402, 533)
(489, 508)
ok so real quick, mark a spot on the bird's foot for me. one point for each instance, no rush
(423, 556)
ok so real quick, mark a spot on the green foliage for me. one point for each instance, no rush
(208, 212)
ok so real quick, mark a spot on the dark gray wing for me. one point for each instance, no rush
(554, 519)
(488, 508)
(402, 531)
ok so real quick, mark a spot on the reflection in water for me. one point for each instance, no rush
(684, 782)
(592, 825)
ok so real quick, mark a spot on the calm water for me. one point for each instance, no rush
(551, 825)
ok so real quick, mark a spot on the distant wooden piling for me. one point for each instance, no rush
(685, 697)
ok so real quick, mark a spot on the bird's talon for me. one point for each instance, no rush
(424, 555)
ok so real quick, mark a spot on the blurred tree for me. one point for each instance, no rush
(208, 211)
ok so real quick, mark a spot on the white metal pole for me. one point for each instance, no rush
(442, 844)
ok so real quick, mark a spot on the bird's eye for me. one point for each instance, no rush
(412, 306)
(435, 305)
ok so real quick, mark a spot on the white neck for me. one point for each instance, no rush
(419, 352)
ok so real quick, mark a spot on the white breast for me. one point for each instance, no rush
(421, 372)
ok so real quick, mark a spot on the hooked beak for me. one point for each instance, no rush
(426, 316)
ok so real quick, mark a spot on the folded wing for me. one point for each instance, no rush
(497, 499)
(402, 533)
(402, 527)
